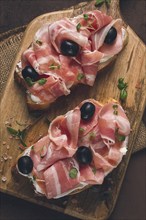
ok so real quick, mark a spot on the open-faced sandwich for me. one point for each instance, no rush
(68, 52)
(80, 149)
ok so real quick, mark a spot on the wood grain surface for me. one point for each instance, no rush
(129, 65)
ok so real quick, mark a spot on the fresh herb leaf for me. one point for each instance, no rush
(29, 81)
(73, 173)
(115, 107)
(39, 42)
(78, 27)
(92, 135)
(80, 76)
(115, 112)
(118, 136)
(94, 170)
(21, 134)
(121, 84)
(12, 131)
(32, 147)
(42, 81)
(85, 16)
(122, 87)
(123, 94)
(121, 137)
(99, 2)
(18, 133)
(81, 129)
(53, 67)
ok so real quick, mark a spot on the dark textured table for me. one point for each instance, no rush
(132, 198)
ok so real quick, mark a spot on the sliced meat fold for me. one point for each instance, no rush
(59, 183)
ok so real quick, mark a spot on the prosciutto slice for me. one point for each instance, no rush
(92, 20)
(88, 30)
(61, 141)
(65, 29)
(59, 173)
(54, 156)
(98, 39)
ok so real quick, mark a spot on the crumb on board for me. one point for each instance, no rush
(4, 178)
(5, 156)
(8, 147)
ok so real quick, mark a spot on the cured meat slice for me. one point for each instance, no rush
(92, 21)
(41, 56)
(99, 37)
(59, 182)
(113, 121)
(65, 29)
(61, 141)
(53, 87)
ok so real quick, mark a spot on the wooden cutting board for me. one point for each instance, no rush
(96, 202)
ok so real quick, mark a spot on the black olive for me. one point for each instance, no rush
(69, 48)
(29, 71)
(84, 155)
(87, 111)
(111, 36)
(25, 164)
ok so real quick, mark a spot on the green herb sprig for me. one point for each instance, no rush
(18, 133)
(115, 107)
(81, 129)
(94, 170)
(85, 16)
(42, 81)
(101, 2)
(29, 81)
(122, 86)
(120, 138)
(53, 66)
(78, 27)
(123, 94)
(80, 76)
(73, 173)
(39, 42)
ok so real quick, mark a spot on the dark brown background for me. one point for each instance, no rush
(132, 199)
